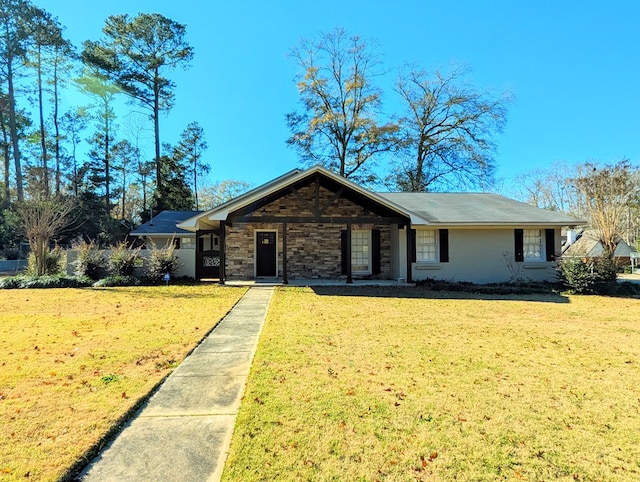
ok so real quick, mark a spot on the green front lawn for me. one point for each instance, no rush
(402, 385)
(73, 362)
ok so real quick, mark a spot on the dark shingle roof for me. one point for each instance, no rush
(475, 209)
(165, 223)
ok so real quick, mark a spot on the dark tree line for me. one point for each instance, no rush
(84, 154)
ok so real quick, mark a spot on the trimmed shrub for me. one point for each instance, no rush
(162, 261)
(588, 275)
(606, 273)
(90, 261)
(122, 260)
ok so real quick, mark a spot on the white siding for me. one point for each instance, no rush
(484, 256)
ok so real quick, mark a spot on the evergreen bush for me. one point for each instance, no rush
(118, 280)
(47, 281)
(588, 275)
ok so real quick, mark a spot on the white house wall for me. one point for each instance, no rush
(484, 256)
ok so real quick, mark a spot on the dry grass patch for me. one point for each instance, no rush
(73, 362)
(388, 386)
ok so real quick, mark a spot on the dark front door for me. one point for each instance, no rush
(266, 254)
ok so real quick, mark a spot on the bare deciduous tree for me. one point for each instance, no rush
(448, 132)
(42, 220)
(607, 193)
(551, 189)
(221, 192)
(338, 125)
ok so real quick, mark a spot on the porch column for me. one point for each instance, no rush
(285, 276)
(410, 249)
(223, 253)
(348, 253)
(198, 257)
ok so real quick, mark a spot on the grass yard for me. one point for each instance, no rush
(73, 362)
(441, 387)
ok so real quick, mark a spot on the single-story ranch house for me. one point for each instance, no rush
(314, 224)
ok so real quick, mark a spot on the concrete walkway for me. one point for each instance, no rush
(183, 432)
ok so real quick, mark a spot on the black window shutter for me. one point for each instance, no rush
(519, 244)
(343, 250)
(444, 245)
(376, 267)
(550, 240)
(412, 242)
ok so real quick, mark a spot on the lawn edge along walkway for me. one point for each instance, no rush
(184, 431)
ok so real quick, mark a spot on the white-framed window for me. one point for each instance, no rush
(533, 244)
(187, 243)
(361, 251)
(209, 242)
(426, 245)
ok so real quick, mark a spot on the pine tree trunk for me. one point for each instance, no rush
(13, 128)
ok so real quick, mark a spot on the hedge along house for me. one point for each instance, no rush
(314, 224)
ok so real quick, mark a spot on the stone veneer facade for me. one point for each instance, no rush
(313, 249)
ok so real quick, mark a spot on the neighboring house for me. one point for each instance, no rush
(162, 228)
(585, 244)
(314, 224)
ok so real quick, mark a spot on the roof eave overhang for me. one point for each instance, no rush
(174, 233)
(493, 224)
(221, 213)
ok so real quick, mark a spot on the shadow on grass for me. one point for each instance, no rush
(160, 291)
(473, 292)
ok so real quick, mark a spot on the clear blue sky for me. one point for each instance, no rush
(573, 67)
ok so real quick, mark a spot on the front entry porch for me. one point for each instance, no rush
(319, 282)
(316, 227)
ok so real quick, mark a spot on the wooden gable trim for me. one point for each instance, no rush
(302, 200)
(333, 199)
(373, 212)
(317, 219)
(316, 193)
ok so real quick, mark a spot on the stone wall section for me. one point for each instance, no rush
(313, 250)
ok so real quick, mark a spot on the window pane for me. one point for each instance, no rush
(533, 244)
(426, 245)
(360, 250)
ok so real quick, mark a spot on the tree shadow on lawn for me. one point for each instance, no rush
(466, 292)
(161, 291)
